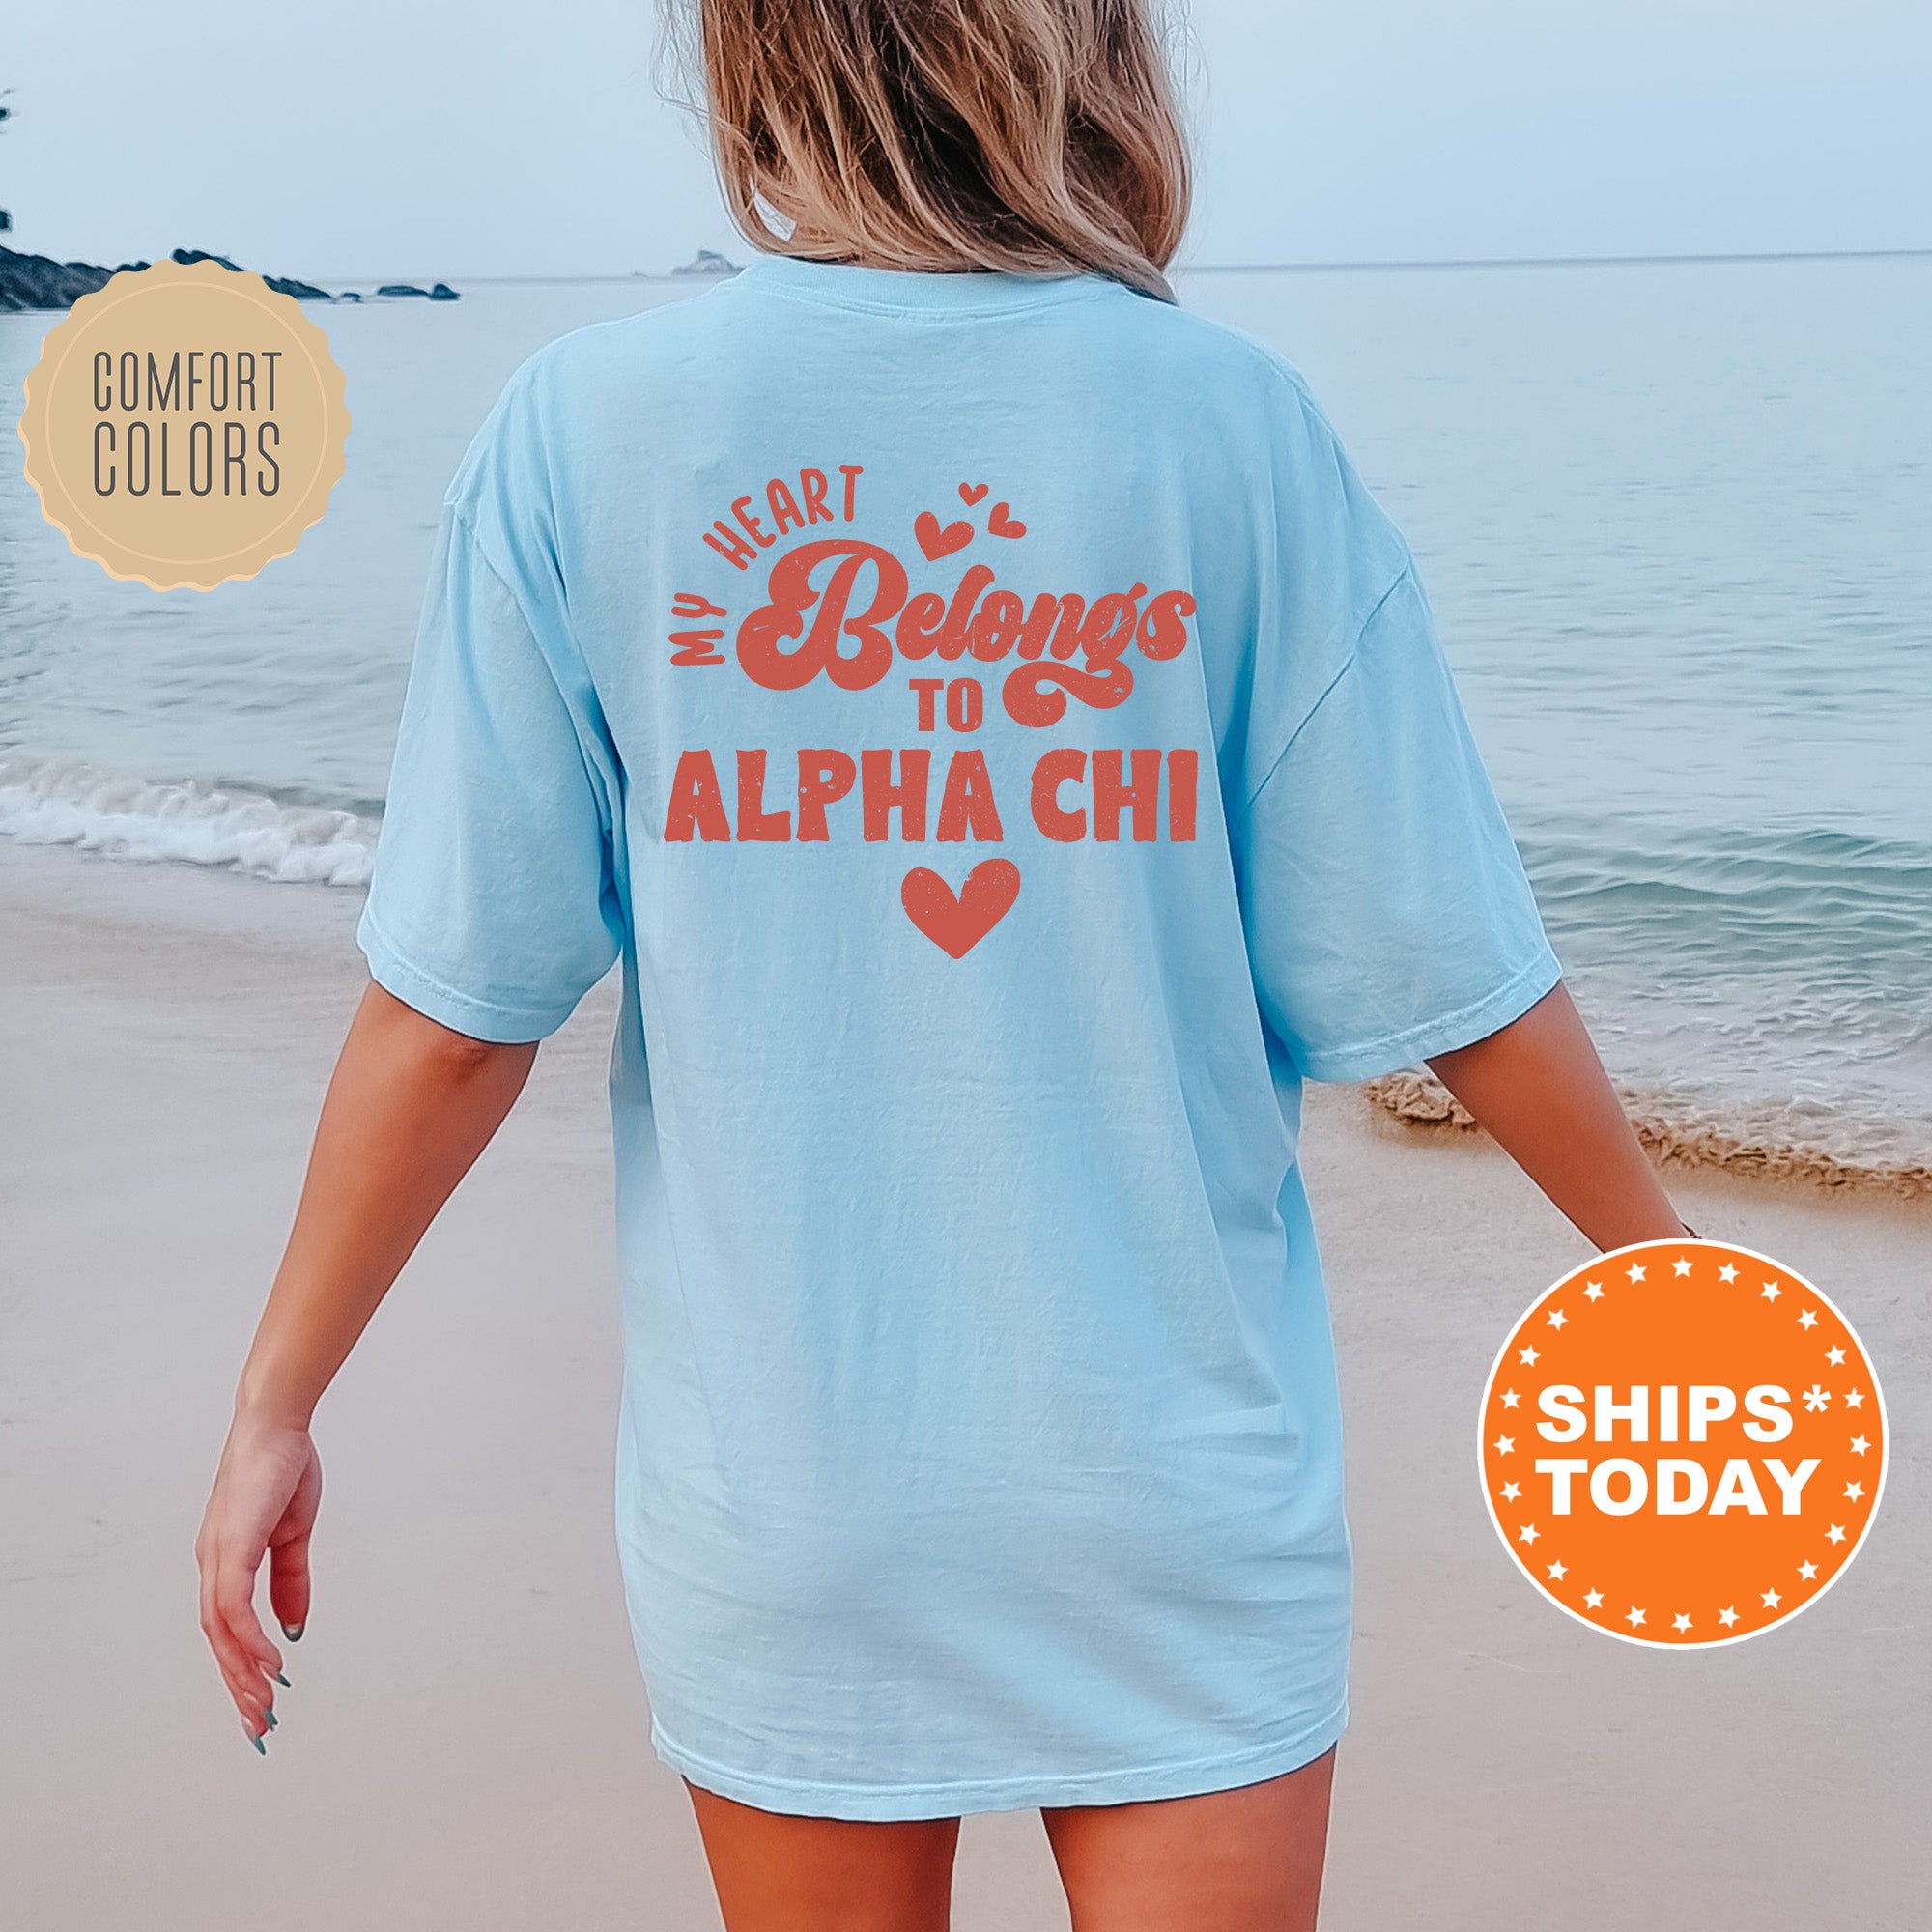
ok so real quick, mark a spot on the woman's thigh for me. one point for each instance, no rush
(1243, 1860)
(777, 1873)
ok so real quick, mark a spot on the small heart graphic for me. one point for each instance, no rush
(936, 542)
(1001, 525)
(956, 923)
(971, 493)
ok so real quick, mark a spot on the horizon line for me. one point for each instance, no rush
(1555, 261)
(1401, 264)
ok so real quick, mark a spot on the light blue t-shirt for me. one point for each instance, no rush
(1008, 749)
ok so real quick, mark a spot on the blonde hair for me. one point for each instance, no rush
(1038, 138)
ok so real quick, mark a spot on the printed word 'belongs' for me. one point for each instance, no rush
(1048, 632)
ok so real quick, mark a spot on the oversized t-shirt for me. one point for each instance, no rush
(1007, 749)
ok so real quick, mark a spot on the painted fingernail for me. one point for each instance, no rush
(273, 1719)
(282, 1681)
(293, 1631)
(254, 1736)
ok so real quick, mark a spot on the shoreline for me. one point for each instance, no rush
(1679, 1136)
(70, 813)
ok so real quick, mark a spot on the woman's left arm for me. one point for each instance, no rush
(411, 1106)
(1540, 1091)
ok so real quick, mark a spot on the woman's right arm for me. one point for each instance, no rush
(410, 1107)
(1537, 1086)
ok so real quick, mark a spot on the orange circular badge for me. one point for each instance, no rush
(1683, 1443)
(184, 425)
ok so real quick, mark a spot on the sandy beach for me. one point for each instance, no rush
(464, 1742)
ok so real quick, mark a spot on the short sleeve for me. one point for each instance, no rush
(1388, 915)
(493, 907)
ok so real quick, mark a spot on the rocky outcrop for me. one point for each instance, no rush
(283, 285)
(37, 281)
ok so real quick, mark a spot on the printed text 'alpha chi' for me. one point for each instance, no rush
(1124, 789)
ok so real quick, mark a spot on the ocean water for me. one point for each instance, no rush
(1675, 520)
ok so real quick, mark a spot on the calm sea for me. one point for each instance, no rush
(1676, 522)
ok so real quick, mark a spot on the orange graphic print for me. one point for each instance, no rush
(956, 923)
(851, 610)
(1683, 1443)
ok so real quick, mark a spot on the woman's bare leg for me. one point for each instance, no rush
(777, 1873)
(1243, 1860)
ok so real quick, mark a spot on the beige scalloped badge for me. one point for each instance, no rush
(184, 425)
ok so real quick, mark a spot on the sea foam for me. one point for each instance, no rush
(66, 802)
(1826, 1146)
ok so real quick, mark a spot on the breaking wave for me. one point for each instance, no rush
(1769, 1139)
(66, 802)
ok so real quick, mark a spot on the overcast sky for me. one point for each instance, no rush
(473, 137)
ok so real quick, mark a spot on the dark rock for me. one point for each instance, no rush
(283, 285)
(187, 257)
(401, 289)
(707, 262)
(36, 281)
(443, 293)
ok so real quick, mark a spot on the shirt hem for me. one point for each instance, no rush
(462, 1013)
(1188, 1777)
(1489, 1014)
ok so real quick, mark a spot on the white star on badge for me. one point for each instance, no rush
(1680, 1267)
(1528, 1357)
(1680, 1622)
(1528, 1533)
(1771, 1290)
(1854, 1399)
(1807, 1571)
(1771, 1600)
(1727, 1272)
(1634, 1272)
(1510, 1398)
(1557, 1318)
(1808, 1320)
(1835, 1534)
(1836, 1357)
(1634, 1617)
(1854, 1491)
(1594, 1292)
(1505, 1445)
(1557, 1573)
(1859, 1443)
(1728, 1616)
(1816, 1397)
(1593, 1600)
(1511, 1492)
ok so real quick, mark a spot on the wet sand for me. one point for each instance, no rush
(464, 1745)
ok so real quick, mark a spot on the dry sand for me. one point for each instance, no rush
(464, 1745)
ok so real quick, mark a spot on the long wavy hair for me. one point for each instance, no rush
(1036, 137)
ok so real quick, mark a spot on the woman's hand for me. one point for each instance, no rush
(411, 1106)
(263, 1503)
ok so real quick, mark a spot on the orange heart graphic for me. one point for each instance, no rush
(956, 923)
(971, 493)
(1001, 525)
(936, 542)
